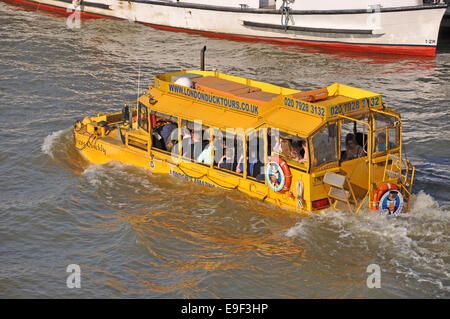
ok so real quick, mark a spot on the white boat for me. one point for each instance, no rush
(382, 26)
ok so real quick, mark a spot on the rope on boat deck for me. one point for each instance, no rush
(199, 177)
(207, 176)
(184, 172)
(226, 187)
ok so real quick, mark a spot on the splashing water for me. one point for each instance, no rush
(50, 141)
(414, 245)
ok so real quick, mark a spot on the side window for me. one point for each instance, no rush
(353, 140)
(239, 151)
(386, 135)
(290, 147)
(191, 139)
(325, 145)
(225, 153)
(165, 133)
(143, 117)
(218, 145)
(393, 137)
(256, 155)
(229, 150)
(195, 141)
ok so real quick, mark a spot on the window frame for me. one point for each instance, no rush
(151, 129)
(312, 154)
(139, 119)
(397, 125)
(302, 166)
(355, 121)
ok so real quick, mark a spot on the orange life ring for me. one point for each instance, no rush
(286, 171)
(380, 191)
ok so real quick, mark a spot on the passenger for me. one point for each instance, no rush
(301, 148)
(166, 130)
(169, 145)
(352, 148)
(156, 140)
(219, 148)
(380, 146)
(296, 151)
(286, 148)
(277, 147)
(305, 152)
(251, 162)
(205, 156)
(194, 147)
(290, 150)
(227, 161)
(185, 141)
(240, 164)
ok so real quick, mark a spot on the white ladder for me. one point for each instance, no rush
(340, 191)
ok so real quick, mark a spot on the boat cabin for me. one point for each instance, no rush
(306, 150)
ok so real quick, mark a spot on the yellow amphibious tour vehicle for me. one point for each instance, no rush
(338, 146)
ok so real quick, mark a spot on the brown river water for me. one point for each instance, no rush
(135, 234)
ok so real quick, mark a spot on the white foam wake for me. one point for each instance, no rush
(416, 243)
(117, 174)
(50, 140)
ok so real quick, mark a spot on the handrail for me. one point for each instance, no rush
(369, 147)
(132, 102)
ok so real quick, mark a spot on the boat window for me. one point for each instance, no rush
(255, 155)
(387, 132)
(383, 120)
(228, 150)
(290, 147)
(143, 117)
(393, 140)
(165, 133)
(239, 153)
(218, 144)
(353, 140)
(225, 152)
(325, 145)
(195, 141)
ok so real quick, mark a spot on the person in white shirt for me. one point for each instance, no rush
(205, 156)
